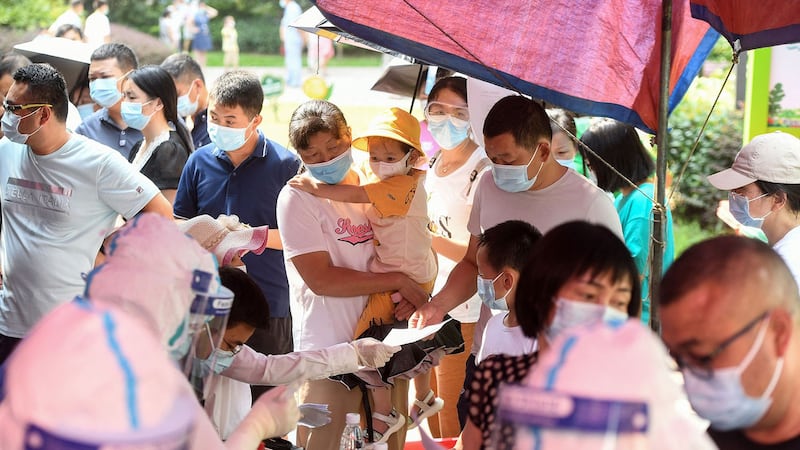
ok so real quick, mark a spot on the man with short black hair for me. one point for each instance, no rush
(61, 196)
(241, 172)
(730, 315)
(192, 94)
(108, 64)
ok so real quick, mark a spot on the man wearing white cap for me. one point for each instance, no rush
(764, 185)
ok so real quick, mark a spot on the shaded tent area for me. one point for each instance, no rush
(630, 60)
(598, 59)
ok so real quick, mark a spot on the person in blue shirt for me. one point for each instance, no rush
(192, 95)
(620, 146)
(241, 172)
(108, 64)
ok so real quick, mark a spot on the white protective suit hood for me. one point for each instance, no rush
(603, 386)
(93, 376)
(156, 285)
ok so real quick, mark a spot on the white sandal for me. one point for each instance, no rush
(426, 408)
(395, 421)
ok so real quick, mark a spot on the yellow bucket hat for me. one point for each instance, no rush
(393, 123)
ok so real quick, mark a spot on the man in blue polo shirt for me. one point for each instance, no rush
(241, 172)
(108, 64)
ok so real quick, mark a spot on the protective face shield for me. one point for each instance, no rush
(208, 319)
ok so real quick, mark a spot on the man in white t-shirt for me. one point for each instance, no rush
(526, 183)
(61, 195)
(98, 29)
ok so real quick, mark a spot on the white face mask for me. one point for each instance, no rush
(384, 170)
(226, 138)
(10, 127)
(722, 400)
(185, 106)
(571, 313)
(514, 178)
(488, 296)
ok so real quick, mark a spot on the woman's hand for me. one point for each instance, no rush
(306, 184)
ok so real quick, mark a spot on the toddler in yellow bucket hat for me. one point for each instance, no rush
(399, 218)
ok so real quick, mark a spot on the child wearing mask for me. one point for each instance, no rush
(399, 220)
(502, 252)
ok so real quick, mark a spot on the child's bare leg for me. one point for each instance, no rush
(422, 386)
(382, 404)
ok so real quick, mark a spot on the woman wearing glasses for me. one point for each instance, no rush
(451, 185)
(150, 104)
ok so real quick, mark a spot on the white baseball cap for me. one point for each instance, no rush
(771, 157)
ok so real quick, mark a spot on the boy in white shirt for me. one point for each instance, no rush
(502, 252)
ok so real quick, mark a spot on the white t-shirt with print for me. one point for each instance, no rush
(789, 249)
(498, 339)
(57, 209)
(450, 199)
(310, 224)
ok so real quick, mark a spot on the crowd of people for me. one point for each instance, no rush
(193, 263)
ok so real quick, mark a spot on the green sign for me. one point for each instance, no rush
(772, 100)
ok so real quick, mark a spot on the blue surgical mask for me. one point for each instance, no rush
(513, 178)
(333, 171)
(448, 132)
(571, 313)
(488, 296)
(217, 362)
(10, 127)
(132, 115)
(85, 110)
(568, 163)
(104, 92)
(185, 106)
(227, 139)
(739, 206)
(722, 400)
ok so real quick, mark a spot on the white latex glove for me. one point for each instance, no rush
(274, 414)
(373, 353)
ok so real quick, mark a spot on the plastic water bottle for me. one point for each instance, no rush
(352, 437)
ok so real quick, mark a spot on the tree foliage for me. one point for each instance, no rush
(30, 14)
(696, 199)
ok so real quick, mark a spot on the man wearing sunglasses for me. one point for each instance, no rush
(730, 317)
(61, 196)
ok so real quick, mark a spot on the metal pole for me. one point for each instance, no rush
(662, 142)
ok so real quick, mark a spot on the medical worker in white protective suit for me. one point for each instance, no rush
(230, 399)
(89, 377)
(603, 386)
(148, 277)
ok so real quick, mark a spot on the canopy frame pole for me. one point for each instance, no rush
(662, 142)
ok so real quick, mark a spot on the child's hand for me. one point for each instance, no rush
(306, 184)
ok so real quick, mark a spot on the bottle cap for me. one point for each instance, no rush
(353, 419)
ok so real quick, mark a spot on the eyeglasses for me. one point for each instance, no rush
(438, 111)
(14, 108)
(233, 348)
(10, 107)
(701, 366)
